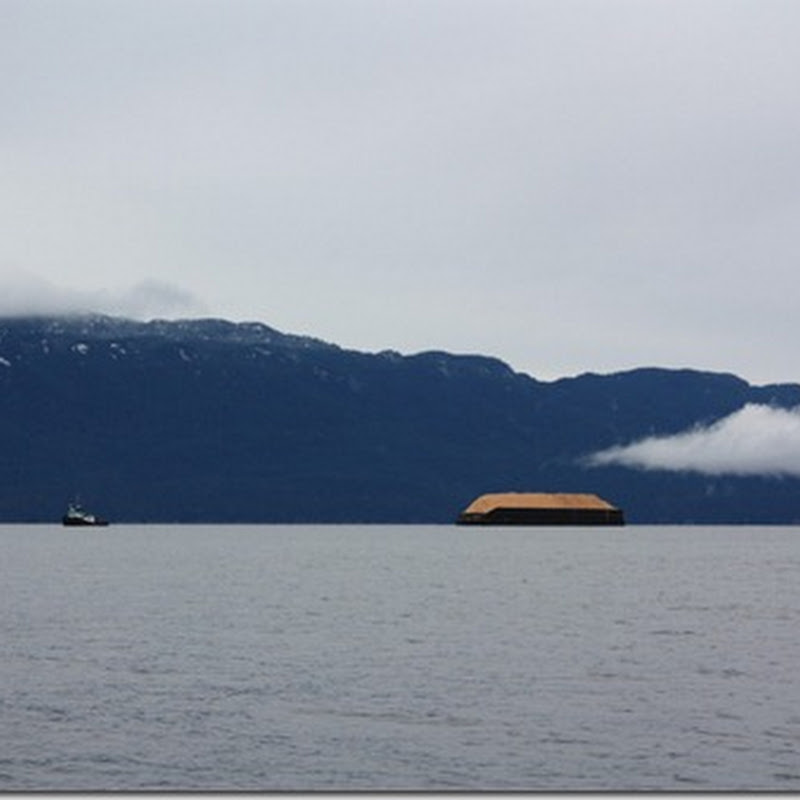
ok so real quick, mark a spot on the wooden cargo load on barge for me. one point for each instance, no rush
(537, 508)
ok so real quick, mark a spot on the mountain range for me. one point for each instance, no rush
(208, 420)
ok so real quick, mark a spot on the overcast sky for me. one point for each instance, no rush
(572, 186)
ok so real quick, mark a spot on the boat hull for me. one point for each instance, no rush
(71, 522)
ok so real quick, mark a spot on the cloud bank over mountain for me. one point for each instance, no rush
(479, 176)
(756, 440)
(26, 293)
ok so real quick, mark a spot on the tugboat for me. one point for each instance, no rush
(76, 516)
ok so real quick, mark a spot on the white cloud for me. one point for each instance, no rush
(154, 298)
(756, 440)
(26, 293)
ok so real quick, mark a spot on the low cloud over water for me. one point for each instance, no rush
(756, 440)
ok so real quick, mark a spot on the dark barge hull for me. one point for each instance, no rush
(544, 516)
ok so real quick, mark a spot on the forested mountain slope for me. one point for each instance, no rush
(208, 420)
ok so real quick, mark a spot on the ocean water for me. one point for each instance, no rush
(349, 658)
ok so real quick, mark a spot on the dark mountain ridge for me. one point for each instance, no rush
(210, 420)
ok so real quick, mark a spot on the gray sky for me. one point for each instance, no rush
(575, 185)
